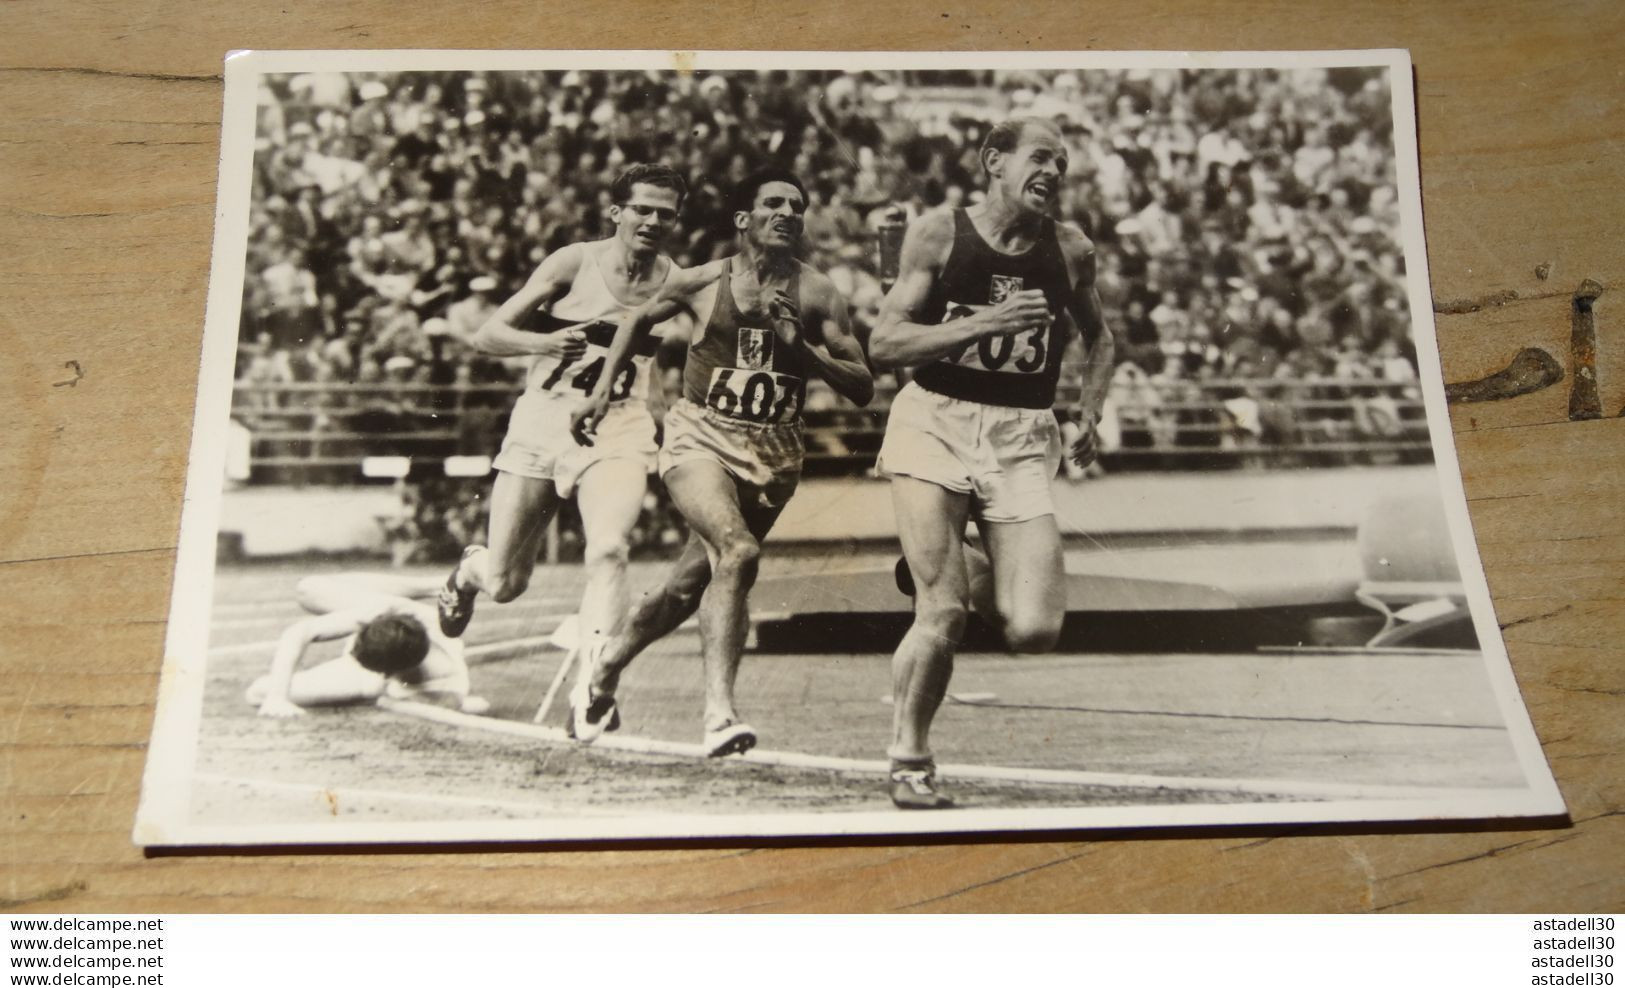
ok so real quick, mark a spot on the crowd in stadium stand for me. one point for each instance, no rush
(1247, 222)
(1247, 219)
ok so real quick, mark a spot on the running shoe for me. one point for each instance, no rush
(591, 716)
(456, 604)
(730, 739)
(914, 787)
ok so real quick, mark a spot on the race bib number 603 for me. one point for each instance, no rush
(761, 396)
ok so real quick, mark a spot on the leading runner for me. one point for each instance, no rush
(984, 305)
(733, 446)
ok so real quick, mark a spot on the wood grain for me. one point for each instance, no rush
(109, 118)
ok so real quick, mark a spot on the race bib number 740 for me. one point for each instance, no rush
(581, 375)
(761, 396)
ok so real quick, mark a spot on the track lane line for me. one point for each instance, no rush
(240, 648)
(1059, 777)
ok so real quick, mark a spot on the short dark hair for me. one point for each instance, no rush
(391, 643)
(745, 191)
(659, 176)
(1006, 135)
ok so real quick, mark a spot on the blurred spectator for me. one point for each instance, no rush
(465, 317)
(289, 305)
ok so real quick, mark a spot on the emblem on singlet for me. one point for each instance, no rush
(1002, 286)
(755, 348)
(1016, 353)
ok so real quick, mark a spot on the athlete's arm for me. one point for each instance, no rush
(675, 297)
(668, 355)
(290, 649)
(1099, 343)
(900, 340)
(549, 283)
(824, 339)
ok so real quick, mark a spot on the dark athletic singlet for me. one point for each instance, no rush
(743, 371)
(1018, 370)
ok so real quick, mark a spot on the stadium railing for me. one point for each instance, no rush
(319, 433)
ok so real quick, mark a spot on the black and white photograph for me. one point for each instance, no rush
(606, 445)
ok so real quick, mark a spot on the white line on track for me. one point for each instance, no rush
(231, 624)
(1061, 777)
(220, 651)
(339, 795)
(254, 604)
(498, 619)
(235, 607)
(486, 648)
(508, 620)
(531, 621)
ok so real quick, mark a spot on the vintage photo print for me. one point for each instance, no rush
(661, 445)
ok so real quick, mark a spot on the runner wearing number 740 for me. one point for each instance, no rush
(577, 295)
(733, 447)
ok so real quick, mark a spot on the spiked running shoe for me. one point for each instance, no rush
(730, 739)
(591, 716)
(914, 787)
(456, 604)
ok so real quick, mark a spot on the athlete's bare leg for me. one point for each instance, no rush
(521, 507)
(610, 497)
(931, 524)
(979, 572)
(656, 615)
(1029, 581)
(710, 500)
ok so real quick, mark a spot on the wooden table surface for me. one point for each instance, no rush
(109, 130)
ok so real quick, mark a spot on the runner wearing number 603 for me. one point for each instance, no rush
(733, 447)
(986, 300)
(576, 296)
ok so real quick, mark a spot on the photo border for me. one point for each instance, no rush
(163, 815)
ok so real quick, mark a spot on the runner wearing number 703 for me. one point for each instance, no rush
(576, 295)
(733, 448)
(986, 300)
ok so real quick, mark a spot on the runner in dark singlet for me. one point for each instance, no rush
(985, 303)
(733, 448)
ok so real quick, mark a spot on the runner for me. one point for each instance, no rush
(984, 305)
(392, 649)
(580, 291)
(733, 445)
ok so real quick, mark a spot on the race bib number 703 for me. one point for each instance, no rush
(761, 396)
(1015, 353)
